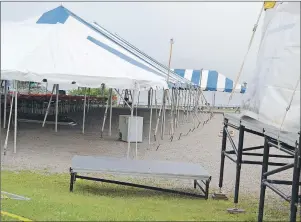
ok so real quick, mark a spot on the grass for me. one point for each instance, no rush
(51, 200)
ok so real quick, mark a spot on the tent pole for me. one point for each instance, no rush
(163, 115)
(104, 119)
(129, 124)
(158, 119)
(5, 103)
(8, 124)
(103, 92)
(151, 115)
(48, 107)
(16, 116)
(171, 115)
(137, 123)
(84, 111)
(89, 92)
(56, 106)
(110, 121)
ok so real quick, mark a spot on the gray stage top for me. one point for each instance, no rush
(89, 164)
(257, 126)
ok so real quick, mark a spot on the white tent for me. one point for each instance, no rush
(274, 95)
(67, 54)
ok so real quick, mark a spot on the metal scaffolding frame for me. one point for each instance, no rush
(287, 143)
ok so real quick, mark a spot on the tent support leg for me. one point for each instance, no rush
(56, 106)
(16, 116)
(84, 111)
(5, 104)
(8, 125)
(151, 115)
(110, 121)
(48, 107)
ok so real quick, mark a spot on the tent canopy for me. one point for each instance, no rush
(62, 15)
(68, 51)
(210, 80)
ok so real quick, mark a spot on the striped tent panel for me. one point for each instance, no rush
(210, 80)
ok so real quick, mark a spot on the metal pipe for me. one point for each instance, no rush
(16, 116)
(56, 106)
(224, 145)
(265, 165)
(295, 185)
(8, 124)
(151, 115)
(5, 103)
(110, 120)
(48, 107)
(238, 163)
(104, 119)
(129, 125)
(84, 111)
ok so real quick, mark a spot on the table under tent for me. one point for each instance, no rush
(74, 52)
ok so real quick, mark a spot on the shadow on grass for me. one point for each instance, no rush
(113, 190)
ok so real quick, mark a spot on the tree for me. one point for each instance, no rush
(90, 92)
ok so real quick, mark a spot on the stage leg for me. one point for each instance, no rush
(295, 186)
(224, 144)
(238, 162)
(265, 165)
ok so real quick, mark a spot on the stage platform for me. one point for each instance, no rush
(144, 168)
(287, 142)
(258, 127)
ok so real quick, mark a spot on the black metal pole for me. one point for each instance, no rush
(72, 179)
(295, 186)
(265, 164)
(239, 162)
(224, 142)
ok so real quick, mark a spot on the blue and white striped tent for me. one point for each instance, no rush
(210, 80)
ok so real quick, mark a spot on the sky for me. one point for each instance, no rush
(208, 35)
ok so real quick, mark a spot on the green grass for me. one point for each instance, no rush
(51, 200)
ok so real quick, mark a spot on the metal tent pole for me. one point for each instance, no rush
(5, 104)
(110, 120)
(151, 115)
(84, 111)
(48, 107)
(56, 106)
(8, 124)
(129, 124)
(16, 116)
(104, 119)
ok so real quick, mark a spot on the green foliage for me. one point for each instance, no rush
(90, 92)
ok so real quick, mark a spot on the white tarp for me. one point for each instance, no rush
(277, 74)
(64, 54)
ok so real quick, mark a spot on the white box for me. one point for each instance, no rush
(130, 134)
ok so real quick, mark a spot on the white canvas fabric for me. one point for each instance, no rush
(278, 70)
(63, 54)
